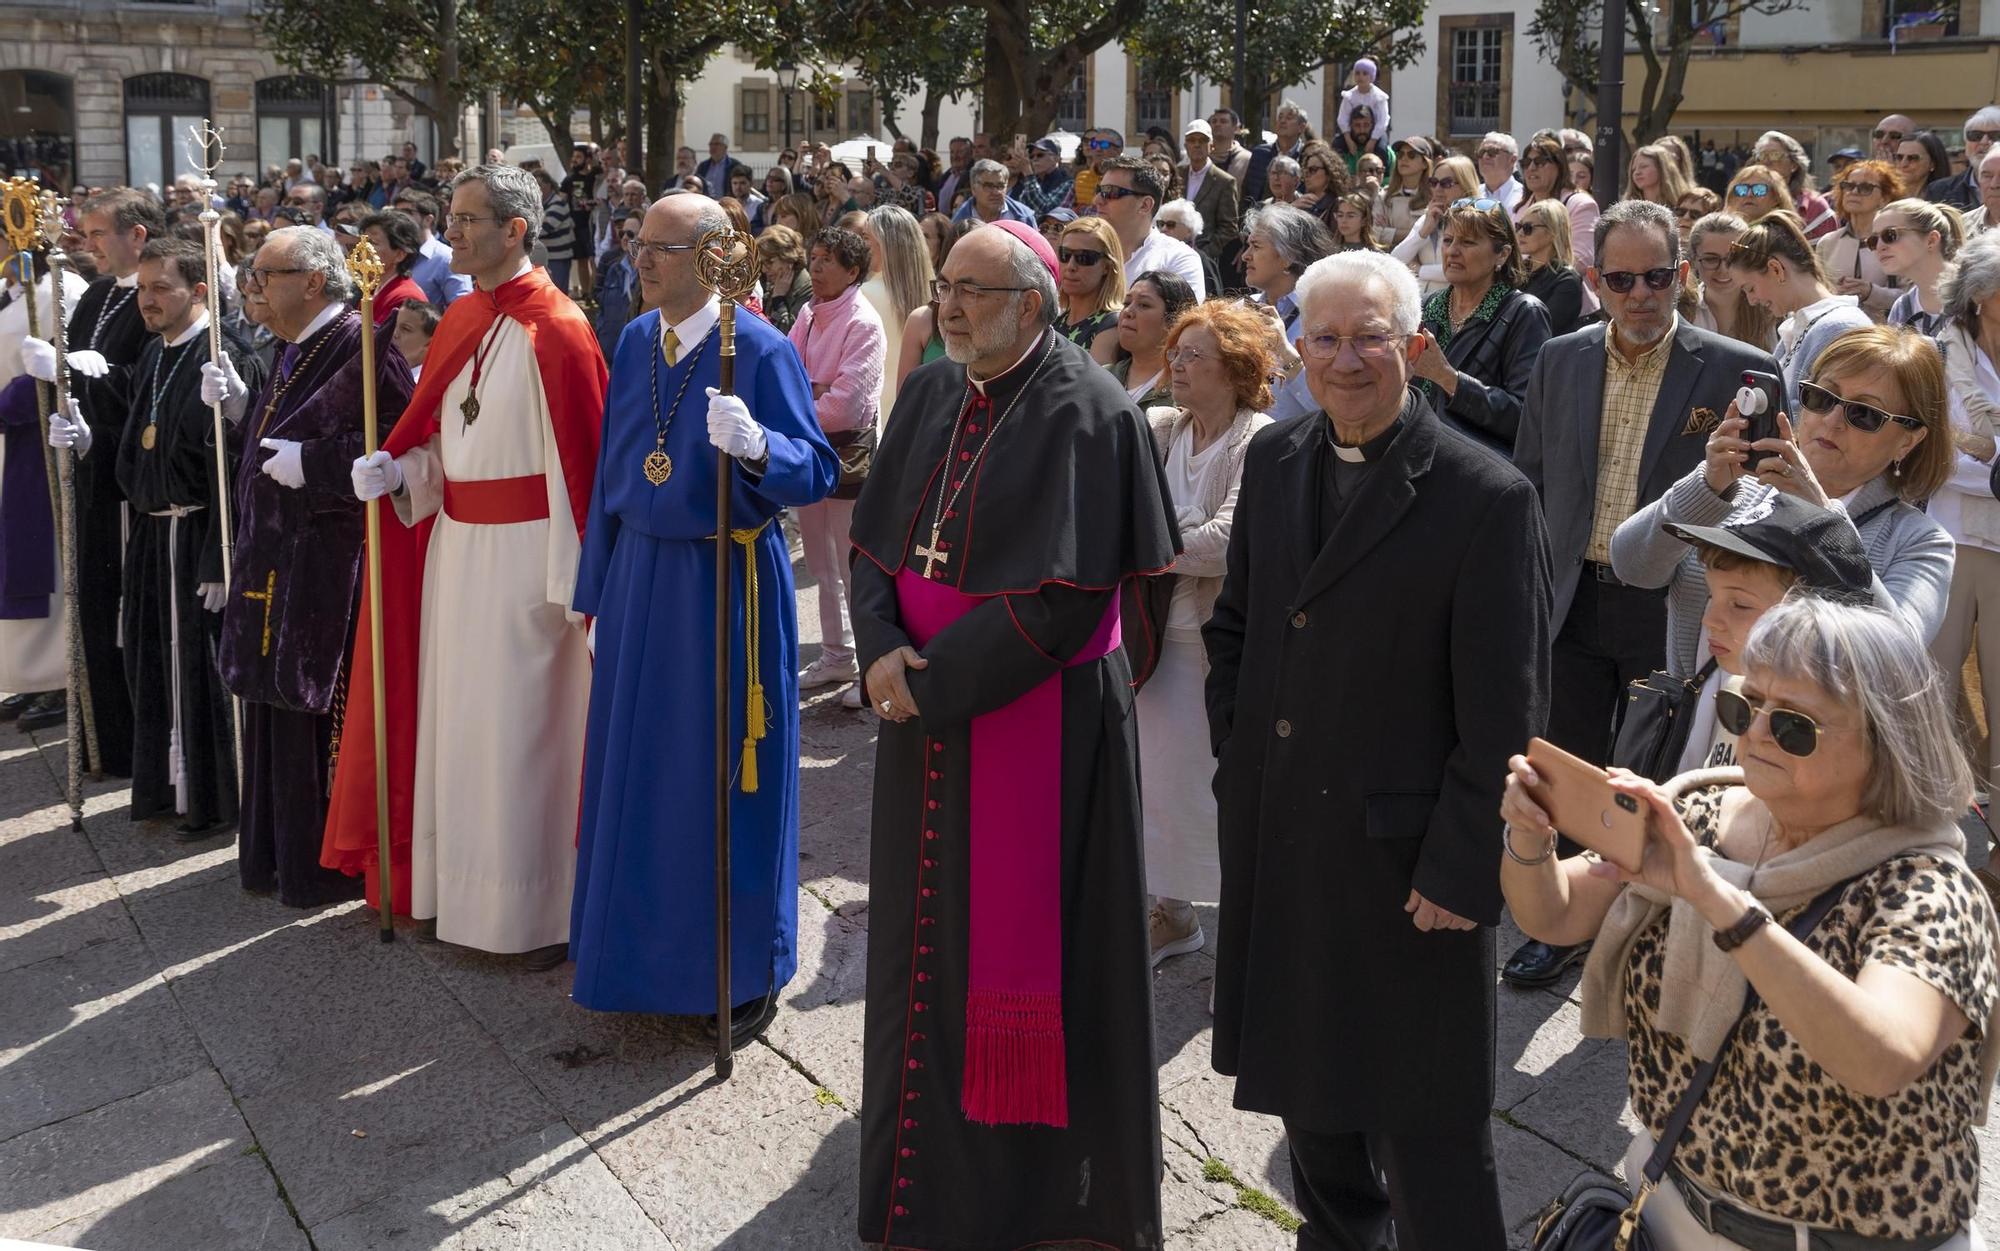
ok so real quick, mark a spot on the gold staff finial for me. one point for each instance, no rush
(21, 213)
(365, 267)
(725, 261)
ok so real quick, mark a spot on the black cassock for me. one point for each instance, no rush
(106, 320)
(1066, 505)
(166, 469)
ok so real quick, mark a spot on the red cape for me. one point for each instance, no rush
(573, 380)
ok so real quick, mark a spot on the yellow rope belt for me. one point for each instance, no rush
(755, 712)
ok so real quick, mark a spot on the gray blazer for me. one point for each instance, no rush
(1910, 553)
(1561, 419)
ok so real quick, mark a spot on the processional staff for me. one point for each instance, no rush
(365, 267)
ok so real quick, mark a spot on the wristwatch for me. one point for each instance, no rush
(1738, 934)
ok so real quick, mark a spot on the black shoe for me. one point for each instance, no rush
(14, 705)
(198, 834)
(1537, 964)
(542, 959)
(49, 710)
(748, 1020)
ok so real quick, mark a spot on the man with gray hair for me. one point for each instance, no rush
(1496, 158)
(490, 475)
(1294, 127)
(1961, 190)
(1355, 783)
(1010, 952)
(990, 202)
(289, 621)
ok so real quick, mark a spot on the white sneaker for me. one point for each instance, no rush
(824, 672)
(851, 697)
(1174, 935)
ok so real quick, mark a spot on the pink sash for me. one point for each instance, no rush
(1015, 1070)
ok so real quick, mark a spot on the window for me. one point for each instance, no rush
(860, 110)
(159, 111)
(294, 119)
(1152, 103)
(1918, 19)
(38, 125)
(1073, 102)
(755, 115)
(826, 118)
(1473, 98)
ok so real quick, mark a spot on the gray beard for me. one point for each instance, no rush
(990, 336)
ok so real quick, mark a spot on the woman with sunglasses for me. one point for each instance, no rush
(1922, 160)
(1090, 284)
(1864, 1056)
(1914, 240)
(1722, 306)
(1220, 360)
(1779, 272)
(1787, 158)
(1452, 179)
(1698, 203)
(1543, 178)
(1863, 189)
(1481, 333)
(1755, 191)
(1323, 180)
(1402, 201)
(1542, 229)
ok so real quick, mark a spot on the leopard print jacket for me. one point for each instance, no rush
(1779, 1135)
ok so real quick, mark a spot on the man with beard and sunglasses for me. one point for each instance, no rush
(1616, 413)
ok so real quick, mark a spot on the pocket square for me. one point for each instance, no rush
(1701, 421)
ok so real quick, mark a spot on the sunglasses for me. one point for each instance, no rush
(1535, 162)
(1524, 229)
(1910, 158)
(1795, 733)
(1750, 189)
(1981, 136)
(1442, 183)
(1860, 188)
(1100, 145)
(1082, 256)
(1866, 418)
(1489, 152)
(1888, 234)
(1113, 193)
(1687, 214)
(1622, 280)
(1889, 134)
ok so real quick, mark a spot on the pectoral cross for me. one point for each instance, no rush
(934, 555)
(269, 595)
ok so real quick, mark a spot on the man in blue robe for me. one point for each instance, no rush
(642, 927)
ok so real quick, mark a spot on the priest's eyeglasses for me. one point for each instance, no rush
(1369, 346)
(942, 288)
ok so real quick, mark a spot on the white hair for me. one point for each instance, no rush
(1987, 118)
(1298, 110)
(1501, 139)
(985, 166)
(1405, 302)
(314, 250)
(1284, 165)
(1183, 212)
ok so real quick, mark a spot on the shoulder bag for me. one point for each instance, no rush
(1654, 723)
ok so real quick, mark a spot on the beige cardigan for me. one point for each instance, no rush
(1205, 548)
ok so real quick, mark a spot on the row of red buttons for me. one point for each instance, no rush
(910, 1063)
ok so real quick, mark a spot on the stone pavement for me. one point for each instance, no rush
(184, 1065)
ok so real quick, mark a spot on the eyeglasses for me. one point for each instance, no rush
(252, 278)
(1880, 135)
(1622, 280)
(1888, 234)
(1442, 183)
(943, 289)
(1742, 189)
(661, 251)
(1108, 192)
(1368, 346)
(1185, 356)
(1317, 167)
(1687, 214)
(1711, 262)
(1863, 417)
(1981, 136)
(1795, 733)
(460, 221)
(1082, 256)
(1482, 204)
(1855, 187)
(1910, 158)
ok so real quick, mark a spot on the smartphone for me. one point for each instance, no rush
(1763, 425)
(1020, 143)
(1580, 802)
(871, 155)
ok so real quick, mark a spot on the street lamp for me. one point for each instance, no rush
(788, 78)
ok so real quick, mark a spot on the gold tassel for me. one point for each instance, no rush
(749, 766)
(755, 712)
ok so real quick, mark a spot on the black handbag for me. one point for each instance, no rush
(1598, 1213)
(856, 450)
(1654, 723)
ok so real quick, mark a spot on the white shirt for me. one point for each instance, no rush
(1509, 193)
(688, 334)
(195, 327)
(321, 322)
(1195, 178)
(1161, 251)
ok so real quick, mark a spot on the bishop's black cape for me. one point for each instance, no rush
(167, 558)
(1067, 505)
(106, 320)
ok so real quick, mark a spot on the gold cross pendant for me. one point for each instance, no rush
(933, 555)
(269, 595)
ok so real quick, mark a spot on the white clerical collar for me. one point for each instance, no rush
(1352, 455)
(129, 280)
(691, 331)
(982, 383)
(326, 318)
(195, 327)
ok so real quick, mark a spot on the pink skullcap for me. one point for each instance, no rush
(1029, 235)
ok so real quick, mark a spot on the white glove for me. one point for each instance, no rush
(212, 596)
(284, 464)
(732, 429)
(71, 432)
(1188, 517)
(223, 383)
(88, 363)
(38, 359)
(376, 476)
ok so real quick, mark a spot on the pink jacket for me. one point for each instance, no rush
(841, 342)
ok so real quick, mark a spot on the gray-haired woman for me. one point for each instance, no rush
(1279, 242)
(1845, 1103)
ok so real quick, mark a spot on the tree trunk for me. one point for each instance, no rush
(1663, 94)
(933, 101)
(445, 90)
(556, 122)
(662, 119)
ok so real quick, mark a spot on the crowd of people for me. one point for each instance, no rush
(1345, 468)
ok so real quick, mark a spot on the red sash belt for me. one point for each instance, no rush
(497, 501)
(1015, 1070)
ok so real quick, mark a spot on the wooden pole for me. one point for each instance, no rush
(366, 269)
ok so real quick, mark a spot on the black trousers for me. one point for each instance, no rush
(1613, 636)
(1439, 1189)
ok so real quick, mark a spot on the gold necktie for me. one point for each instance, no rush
(670, 343)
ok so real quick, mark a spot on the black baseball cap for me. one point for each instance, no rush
(1818, 545)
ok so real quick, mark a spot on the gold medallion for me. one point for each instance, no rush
(149, 437)
(470, 407)
(657, 467)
